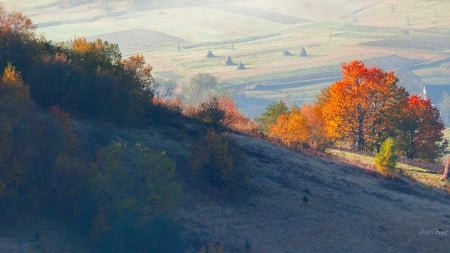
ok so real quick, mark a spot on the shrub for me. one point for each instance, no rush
(133, 180)
(209, 113)
(221, 113)
(386, 159)
(216, 160)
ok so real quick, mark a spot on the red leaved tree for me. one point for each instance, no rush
(420, 130)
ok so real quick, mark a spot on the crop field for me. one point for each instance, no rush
(409, 37)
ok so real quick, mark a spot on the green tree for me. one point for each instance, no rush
(270, 116)
(386, 159)
(132, 180)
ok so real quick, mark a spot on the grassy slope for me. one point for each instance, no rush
(423, 175)
(349, 208)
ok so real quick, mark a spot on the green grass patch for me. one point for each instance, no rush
(352, 157)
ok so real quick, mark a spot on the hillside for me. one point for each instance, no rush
(349, 209)
(95, 158)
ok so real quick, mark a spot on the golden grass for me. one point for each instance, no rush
(420, 175)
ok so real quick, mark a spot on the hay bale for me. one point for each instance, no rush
(229, 61)
(303, 53)
(210, 54)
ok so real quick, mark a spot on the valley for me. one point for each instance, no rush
(406, 37)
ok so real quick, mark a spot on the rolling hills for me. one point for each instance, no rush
(114, 170)
(408, 37)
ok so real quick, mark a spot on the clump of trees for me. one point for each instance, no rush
(132, 187)
(361, 111)
(44, 169)
(87, 79)
(120, 195)
(367, 106)
(300, 128)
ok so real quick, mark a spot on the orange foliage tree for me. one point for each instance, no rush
(300, 127)
(291, 129)
(15, 22)
(317, 138)
(357, 108)
(234, 119)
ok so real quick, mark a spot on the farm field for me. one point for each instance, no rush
(408, 37)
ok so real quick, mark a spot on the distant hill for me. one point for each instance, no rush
(174, 35)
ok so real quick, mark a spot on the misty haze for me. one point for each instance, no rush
(224, 126)
(407, 37)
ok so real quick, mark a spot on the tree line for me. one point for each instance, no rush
(58, 104)
(360, 112)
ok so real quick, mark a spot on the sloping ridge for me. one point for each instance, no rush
(310, 204)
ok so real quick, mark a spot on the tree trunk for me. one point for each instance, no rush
(445, 174)
(360, 134)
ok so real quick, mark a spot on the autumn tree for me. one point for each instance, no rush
(317, 138)
(233, 119)
(356, 109)
(420, 130)
(15, 22)
(300, 127)
(18, 43)
(291, 129)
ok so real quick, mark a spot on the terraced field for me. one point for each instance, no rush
(408, 37)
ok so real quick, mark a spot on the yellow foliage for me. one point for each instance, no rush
(11, 76)
(80, 45)
(291, 128)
